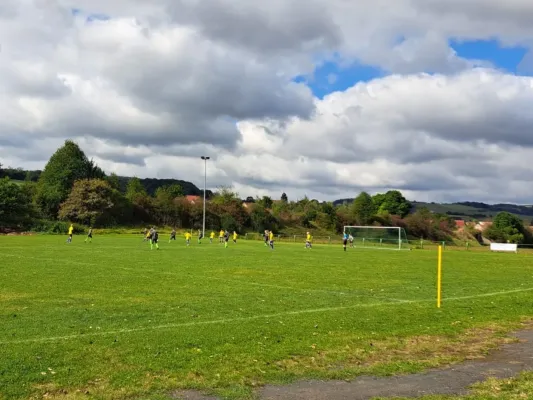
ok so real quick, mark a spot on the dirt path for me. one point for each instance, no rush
(505, 362)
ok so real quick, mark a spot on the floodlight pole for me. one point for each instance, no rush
(205, 188)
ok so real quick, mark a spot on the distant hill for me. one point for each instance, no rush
(150, 184)
(468, 210)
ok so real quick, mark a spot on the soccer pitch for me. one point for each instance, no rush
(115, 320)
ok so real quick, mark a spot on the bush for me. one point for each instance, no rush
(55, 227)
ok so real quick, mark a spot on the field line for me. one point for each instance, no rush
(198, 323)
(491, 294)
(256, 317)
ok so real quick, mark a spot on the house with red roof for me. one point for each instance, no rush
(193, 199)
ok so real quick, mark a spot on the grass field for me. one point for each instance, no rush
(114, 320)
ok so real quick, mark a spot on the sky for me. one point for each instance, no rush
(317, 98)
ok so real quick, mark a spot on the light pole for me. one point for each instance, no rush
(205, 188)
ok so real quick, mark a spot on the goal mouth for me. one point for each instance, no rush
(377, 237)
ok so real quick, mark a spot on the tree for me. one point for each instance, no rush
(91, 202)
(328, 216)
(15, 203)
(507, 227)
(363, 208)
(226, 196)
(67, 165)
(265, 201)
(169, 191)
(113, 181)
(261, 219)
(392, 203)
(229, 223)
(284, 197)
(168, 210)
(135, 189)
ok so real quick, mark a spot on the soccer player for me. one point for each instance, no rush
(221, 236)
(350, 239)
(188, 238)
(234, 237)
(344, 240)
(265, 237)
(200, 236)
(211, 237)
(154, 239)
(89, 235)
(145, 235)
(226, 239)
(271, 240)
(308, 238)
(172, 235)
(149, 235)
(70, 232)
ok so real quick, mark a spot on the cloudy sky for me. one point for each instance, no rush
(323, 98)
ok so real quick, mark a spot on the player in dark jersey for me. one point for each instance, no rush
(172, 235)
(344, 240)
(154, 240)
(89, 236)
(200, 236)
(226, 238)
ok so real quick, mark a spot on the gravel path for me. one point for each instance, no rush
(505, 362)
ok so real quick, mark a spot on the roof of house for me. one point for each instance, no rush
(192, 198)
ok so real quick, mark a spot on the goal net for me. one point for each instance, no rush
(379, 237)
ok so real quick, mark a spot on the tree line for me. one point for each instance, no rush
(72, 188)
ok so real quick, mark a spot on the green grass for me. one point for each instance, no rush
(114, 320)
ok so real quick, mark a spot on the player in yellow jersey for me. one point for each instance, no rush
(234, 237)
(211, 237)
(149, 235)
(188, 238)
(221, 236)
(308, 239)
(70, 233)
(271, 239)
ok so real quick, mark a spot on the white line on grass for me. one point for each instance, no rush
(475, 296)
(195, 323)
(255, 317)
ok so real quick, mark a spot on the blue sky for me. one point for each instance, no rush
(330, 77)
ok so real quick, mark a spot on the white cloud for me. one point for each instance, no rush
(147, 87)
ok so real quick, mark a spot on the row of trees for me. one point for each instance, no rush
(72, 188)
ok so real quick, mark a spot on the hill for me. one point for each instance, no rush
(468, 210)
(476, 211)
(150, 184)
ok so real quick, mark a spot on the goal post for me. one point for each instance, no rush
(378, 237)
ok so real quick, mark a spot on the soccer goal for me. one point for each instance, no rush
(378, 237)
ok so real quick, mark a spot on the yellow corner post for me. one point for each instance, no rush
(439, 276)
